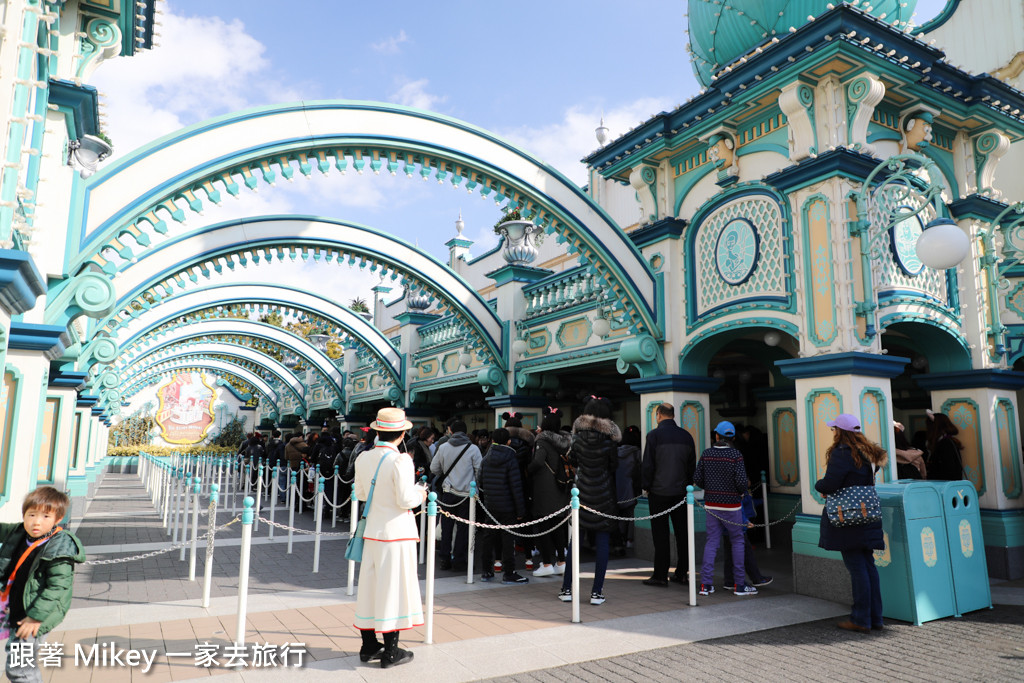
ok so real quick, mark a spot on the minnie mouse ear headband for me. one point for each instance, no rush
(551, 410)
(510, 416)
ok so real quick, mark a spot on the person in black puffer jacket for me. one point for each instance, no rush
(594, 454)
(501, 490)
(548, 497)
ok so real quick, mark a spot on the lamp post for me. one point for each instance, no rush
(996, 265)
(941, 245)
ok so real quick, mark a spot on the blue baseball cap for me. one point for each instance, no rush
(725, 428)
(846, 422)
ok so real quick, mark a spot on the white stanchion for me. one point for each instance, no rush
(259, 495)
(197, 484)
(764, 507)
(166, 500)
(243, 570)
(274, 492)
(291, 511)
(575, 543)
(353, 520)
(334, 499)
(428, 620)
(471, 538)
(302, 485)
(318, 515)
(184, 515)
(211, 525)
(178, 481)
(423, 532)
(691, 542)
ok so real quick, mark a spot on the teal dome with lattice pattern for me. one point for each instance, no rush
(722, 30)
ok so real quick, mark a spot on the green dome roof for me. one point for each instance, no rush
(722, 30)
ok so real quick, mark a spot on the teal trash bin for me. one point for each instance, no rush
(971, 589)
(914, 568)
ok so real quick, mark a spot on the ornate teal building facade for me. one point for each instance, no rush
(751, 255)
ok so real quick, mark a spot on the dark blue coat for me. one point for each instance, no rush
(840, 473)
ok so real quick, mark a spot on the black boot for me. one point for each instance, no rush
(392, 653)
(372, 648)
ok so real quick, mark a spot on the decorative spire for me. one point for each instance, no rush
(459, 224)
(601, 132)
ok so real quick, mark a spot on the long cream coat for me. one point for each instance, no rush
(389, 589)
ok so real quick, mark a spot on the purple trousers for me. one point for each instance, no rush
(733, 527)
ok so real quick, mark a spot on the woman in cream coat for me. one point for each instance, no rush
(388, 600)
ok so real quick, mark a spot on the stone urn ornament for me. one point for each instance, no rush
(520, 236)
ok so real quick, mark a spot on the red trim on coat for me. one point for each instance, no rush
(390, 540)
(394, 630)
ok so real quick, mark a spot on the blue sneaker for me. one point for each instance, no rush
(745, 590)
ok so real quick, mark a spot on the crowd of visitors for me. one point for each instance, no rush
(524, 473)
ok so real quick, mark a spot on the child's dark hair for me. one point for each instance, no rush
(512, 419)
(501, 436)
(552, 421)
(48, 499)
(597, 406)
(631, 437)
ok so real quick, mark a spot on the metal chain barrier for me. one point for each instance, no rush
(168, 549)
(509, 527)
(633, 519)
(753, 526)
(460, 501)
(285, 527)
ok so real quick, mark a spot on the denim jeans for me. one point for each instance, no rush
(732, 526)
(867, 594)
(24, 673)
(602, 541)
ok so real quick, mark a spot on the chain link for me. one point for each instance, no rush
(753, 526)
(632, 519)
(176, 546)
(285, 527)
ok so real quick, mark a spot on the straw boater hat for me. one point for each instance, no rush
(391, 420)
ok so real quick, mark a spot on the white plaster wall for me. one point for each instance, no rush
(982, 36)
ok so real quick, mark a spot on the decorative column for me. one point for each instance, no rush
(29, 351)
(81, 440)
(983, 406)
(63, 386)
(783, 448)
(827, 385)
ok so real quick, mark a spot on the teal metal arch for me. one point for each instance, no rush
(147, 378)
(259, 332)
(945, 350)
(120, 209)
(234, 354)
(181, 261)
(250, 297)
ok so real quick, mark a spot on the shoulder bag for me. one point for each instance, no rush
(5, 594)
(854, 505)
(354, 549)
(439, 482)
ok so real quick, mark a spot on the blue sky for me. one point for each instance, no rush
(538, 73)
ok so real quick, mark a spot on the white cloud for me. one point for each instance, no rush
(414, 94)
(390, 45)
(564, 143)
(204, 67)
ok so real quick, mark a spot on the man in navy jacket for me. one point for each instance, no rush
(667, 469)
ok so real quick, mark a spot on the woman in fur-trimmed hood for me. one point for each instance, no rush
(595, 455)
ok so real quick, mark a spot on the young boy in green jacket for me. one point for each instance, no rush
(40, 594)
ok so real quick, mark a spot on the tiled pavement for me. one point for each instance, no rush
(480, 630)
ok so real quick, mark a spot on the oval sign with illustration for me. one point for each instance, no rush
(736, 251)
(903, 238)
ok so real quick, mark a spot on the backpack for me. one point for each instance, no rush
(564, 473)
(325, 456)
(255, 452)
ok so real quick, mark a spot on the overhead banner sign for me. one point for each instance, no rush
(186, 408)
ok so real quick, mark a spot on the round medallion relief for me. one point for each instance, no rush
(736, 251)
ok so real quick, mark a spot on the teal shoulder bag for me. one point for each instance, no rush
(354, 549)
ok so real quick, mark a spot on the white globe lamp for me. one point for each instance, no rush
(602, 328)
(943, 244)
(772, 338)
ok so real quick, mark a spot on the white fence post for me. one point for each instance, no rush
(691, 541)
(197, 483)
(211, 526)
(471, 538)
(243, 569)
(575, 543)
(291, 511)
(431, 535)
(274, 492)
(259, 496)
(318, 514)
(764, 507)
(353, 520)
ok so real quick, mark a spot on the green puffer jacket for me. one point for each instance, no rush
(47, 596)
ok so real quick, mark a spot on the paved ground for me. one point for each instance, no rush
(982, 646)
(483, 630)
